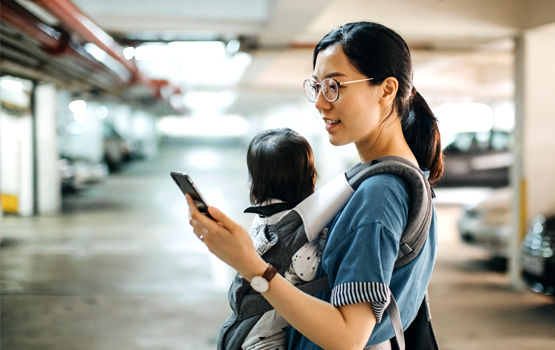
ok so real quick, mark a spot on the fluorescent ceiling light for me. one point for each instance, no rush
(78, 106)
(79, 109)
(12, 85)
(187, 51)
(231, 126)
(209, 100)
(194, 73)
(129, 52)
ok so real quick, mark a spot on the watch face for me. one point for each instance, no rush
(260, 284)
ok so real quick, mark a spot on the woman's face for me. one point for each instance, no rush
(355, 116)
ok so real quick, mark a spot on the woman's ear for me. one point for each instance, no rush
(389, 91)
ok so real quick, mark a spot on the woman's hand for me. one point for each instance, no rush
(226, 239)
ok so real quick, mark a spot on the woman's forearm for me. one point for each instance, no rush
(346, 327)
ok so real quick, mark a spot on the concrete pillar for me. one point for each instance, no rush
(534, 170)
(539, 119)
(517, 181)
(48, 177)
(16, 162)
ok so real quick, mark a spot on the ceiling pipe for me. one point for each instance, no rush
(49, 38)
(72, 18)
(54, 41)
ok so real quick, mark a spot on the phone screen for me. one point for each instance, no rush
(185, 183)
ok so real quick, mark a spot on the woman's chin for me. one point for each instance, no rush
(336, 141)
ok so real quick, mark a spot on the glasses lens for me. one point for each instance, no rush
(330, 90)
(310, 89)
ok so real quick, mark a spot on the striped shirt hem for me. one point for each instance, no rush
(377, 294)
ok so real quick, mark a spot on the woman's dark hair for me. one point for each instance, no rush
(281, 165)
(378, 52)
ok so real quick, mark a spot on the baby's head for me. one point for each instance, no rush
(281, 166)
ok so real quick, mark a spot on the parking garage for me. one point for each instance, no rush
(102, 100)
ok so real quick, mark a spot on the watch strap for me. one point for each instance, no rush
(269, 273)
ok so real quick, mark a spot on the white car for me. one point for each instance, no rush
(487, 224)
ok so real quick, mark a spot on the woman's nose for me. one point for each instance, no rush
(321, 102)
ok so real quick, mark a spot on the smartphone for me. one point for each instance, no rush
(186, 185)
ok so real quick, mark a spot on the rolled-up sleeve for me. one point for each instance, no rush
(358, 292)
(360, 268)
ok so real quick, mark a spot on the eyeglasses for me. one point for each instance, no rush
(329, 87)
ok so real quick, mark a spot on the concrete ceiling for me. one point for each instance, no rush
(435, 23)
(459, 46)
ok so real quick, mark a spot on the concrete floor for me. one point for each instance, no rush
(121, 269)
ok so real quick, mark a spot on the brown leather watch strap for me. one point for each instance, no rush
(269, 273)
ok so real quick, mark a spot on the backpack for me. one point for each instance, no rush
(304, 223)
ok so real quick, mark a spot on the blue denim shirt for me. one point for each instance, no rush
(360, 252)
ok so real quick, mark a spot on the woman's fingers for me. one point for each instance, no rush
(223, 219)
(198, 220)
(202, 224)
(191, 203)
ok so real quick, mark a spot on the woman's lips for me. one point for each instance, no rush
(330, 124)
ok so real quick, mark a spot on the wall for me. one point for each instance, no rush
(539, 119)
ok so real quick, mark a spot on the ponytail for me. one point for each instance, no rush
(422, 135)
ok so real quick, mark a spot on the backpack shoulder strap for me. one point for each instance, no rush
(420, 208)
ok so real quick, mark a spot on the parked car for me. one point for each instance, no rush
(487, 224)
(78, 174)
(537, 259)
(477, 159)
(116, 148)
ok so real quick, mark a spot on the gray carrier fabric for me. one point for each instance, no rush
(304, 223)
(420, 210)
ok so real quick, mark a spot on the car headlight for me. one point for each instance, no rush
(534, 242)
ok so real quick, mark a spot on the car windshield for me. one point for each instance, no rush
(479, 142)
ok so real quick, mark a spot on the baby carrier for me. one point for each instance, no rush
(304, 224)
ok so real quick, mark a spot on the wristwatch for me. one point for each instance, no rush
(261, 283)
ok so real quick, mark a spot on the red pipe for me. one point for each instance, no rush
(57, 41)
(72, 18)
(49, 38)
(53, 41)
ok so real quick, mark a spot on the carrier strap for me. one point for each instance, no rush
(257, 305)
(316, 286)
(420, 208)
(269, 210)
(395, 317)
(312, 287)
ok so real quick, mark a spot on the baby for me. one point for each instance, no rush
(281, 175)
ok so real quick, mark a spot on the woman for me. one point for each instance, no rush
(362, 87)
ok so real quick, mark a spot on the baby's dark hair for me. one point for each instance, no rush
(281, 166)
